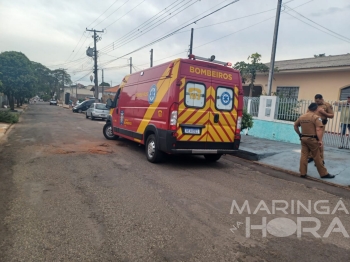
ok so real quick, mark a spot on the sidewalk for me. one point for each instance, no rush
(287, 156)
(3, 129)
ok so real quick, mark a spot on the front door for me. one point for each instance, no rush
(116, 112)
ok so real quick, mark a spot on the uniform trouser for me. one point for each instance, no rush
(321, 152)
(310, 146)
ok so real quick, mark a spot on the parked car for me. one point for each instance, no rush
(83, 106)
(97, 110)
(53, 102)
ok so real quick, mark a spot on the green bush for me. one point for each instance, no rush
(6, 116)
(247, 120)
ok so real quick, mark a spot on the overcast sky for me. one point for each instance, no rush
(47, 31)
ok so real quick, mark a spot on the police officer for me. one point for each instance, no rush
(311, 140)
(324, 110)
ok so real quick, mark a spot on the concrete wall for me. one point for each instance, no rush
(274, 130)
(310, 82)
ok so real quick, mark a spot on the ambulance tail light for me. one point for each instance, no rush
(173, 117)
(239, 124)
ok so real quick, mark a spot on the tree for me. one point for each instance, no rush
(249, 70)
(105, 84)
(247, 120)
(60, 78)
(43, 78)
(17, 76)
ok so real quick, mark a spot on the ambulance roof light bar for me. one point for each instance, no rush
(211, 59)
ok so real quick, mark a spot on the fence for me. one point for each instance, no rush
(335, 130)
(254, 105)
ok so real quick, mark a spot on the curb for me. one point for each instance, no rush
(10, 127)
(250, 155)
(291, 172)
(3, 138)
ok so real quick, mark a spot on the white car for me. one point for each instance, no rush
(97, 110)
(53, 102)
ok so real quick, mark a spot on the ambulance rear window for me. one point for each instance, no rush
(195, 95)
(224, 98)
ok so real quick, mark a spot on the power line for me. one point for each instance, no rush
(58, 65)
(88, 26)
(113, 12)
(172, 33)
(317, 23)
(105, 18)
(82, 77)
(227, 34)
(75, 46)
(131, 38)
(80, 46)
(126, 13)
(103, 13)
(142, 25)
(317, 28)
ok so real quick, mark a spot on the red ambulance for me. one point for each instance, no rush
(185, 106)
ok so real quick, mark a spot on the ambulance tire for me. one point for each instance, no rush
(154, 155)
(212, 158)
(107, 132)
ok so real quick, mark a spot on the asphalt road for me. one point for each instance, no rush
(68, 194)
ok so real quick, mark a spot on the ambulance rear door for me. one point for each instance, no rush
(223, 111)
(194, 105)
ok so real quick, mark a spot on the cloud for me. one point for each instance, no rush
(47, 31)
(331, 11)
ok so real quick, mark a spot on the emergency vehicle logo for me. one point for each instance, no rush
(152, 94)
(225, 98)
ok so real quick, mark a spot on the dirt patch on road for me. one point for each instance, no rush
(81, 148)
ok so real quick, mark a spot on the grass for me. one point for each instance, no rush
(6, 116)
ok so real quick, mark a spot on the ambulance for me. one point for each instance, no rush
(185, 106)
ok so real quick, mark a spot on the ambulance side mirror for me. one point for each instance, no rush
(109, 103)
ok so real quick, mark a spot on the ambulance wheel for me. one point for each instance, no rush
(153, 153)
(212, 158)
(108, 132)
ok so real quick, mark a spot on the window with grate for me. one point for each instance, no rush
(344, 93)
(288, 91)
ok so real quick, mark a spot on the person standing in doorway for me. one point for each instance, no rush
(311, 141)
(344, 121)
(325, 111)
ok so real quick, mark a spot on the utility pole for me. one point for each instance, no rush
(151, 57)
(274, 45)
(103, 82)
(76, 90)
(130, 65)
(191, 42)
(62, 69)
(96, 38)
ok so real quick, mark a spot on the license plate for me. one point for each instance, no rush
(192, 131)
(102, 115)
